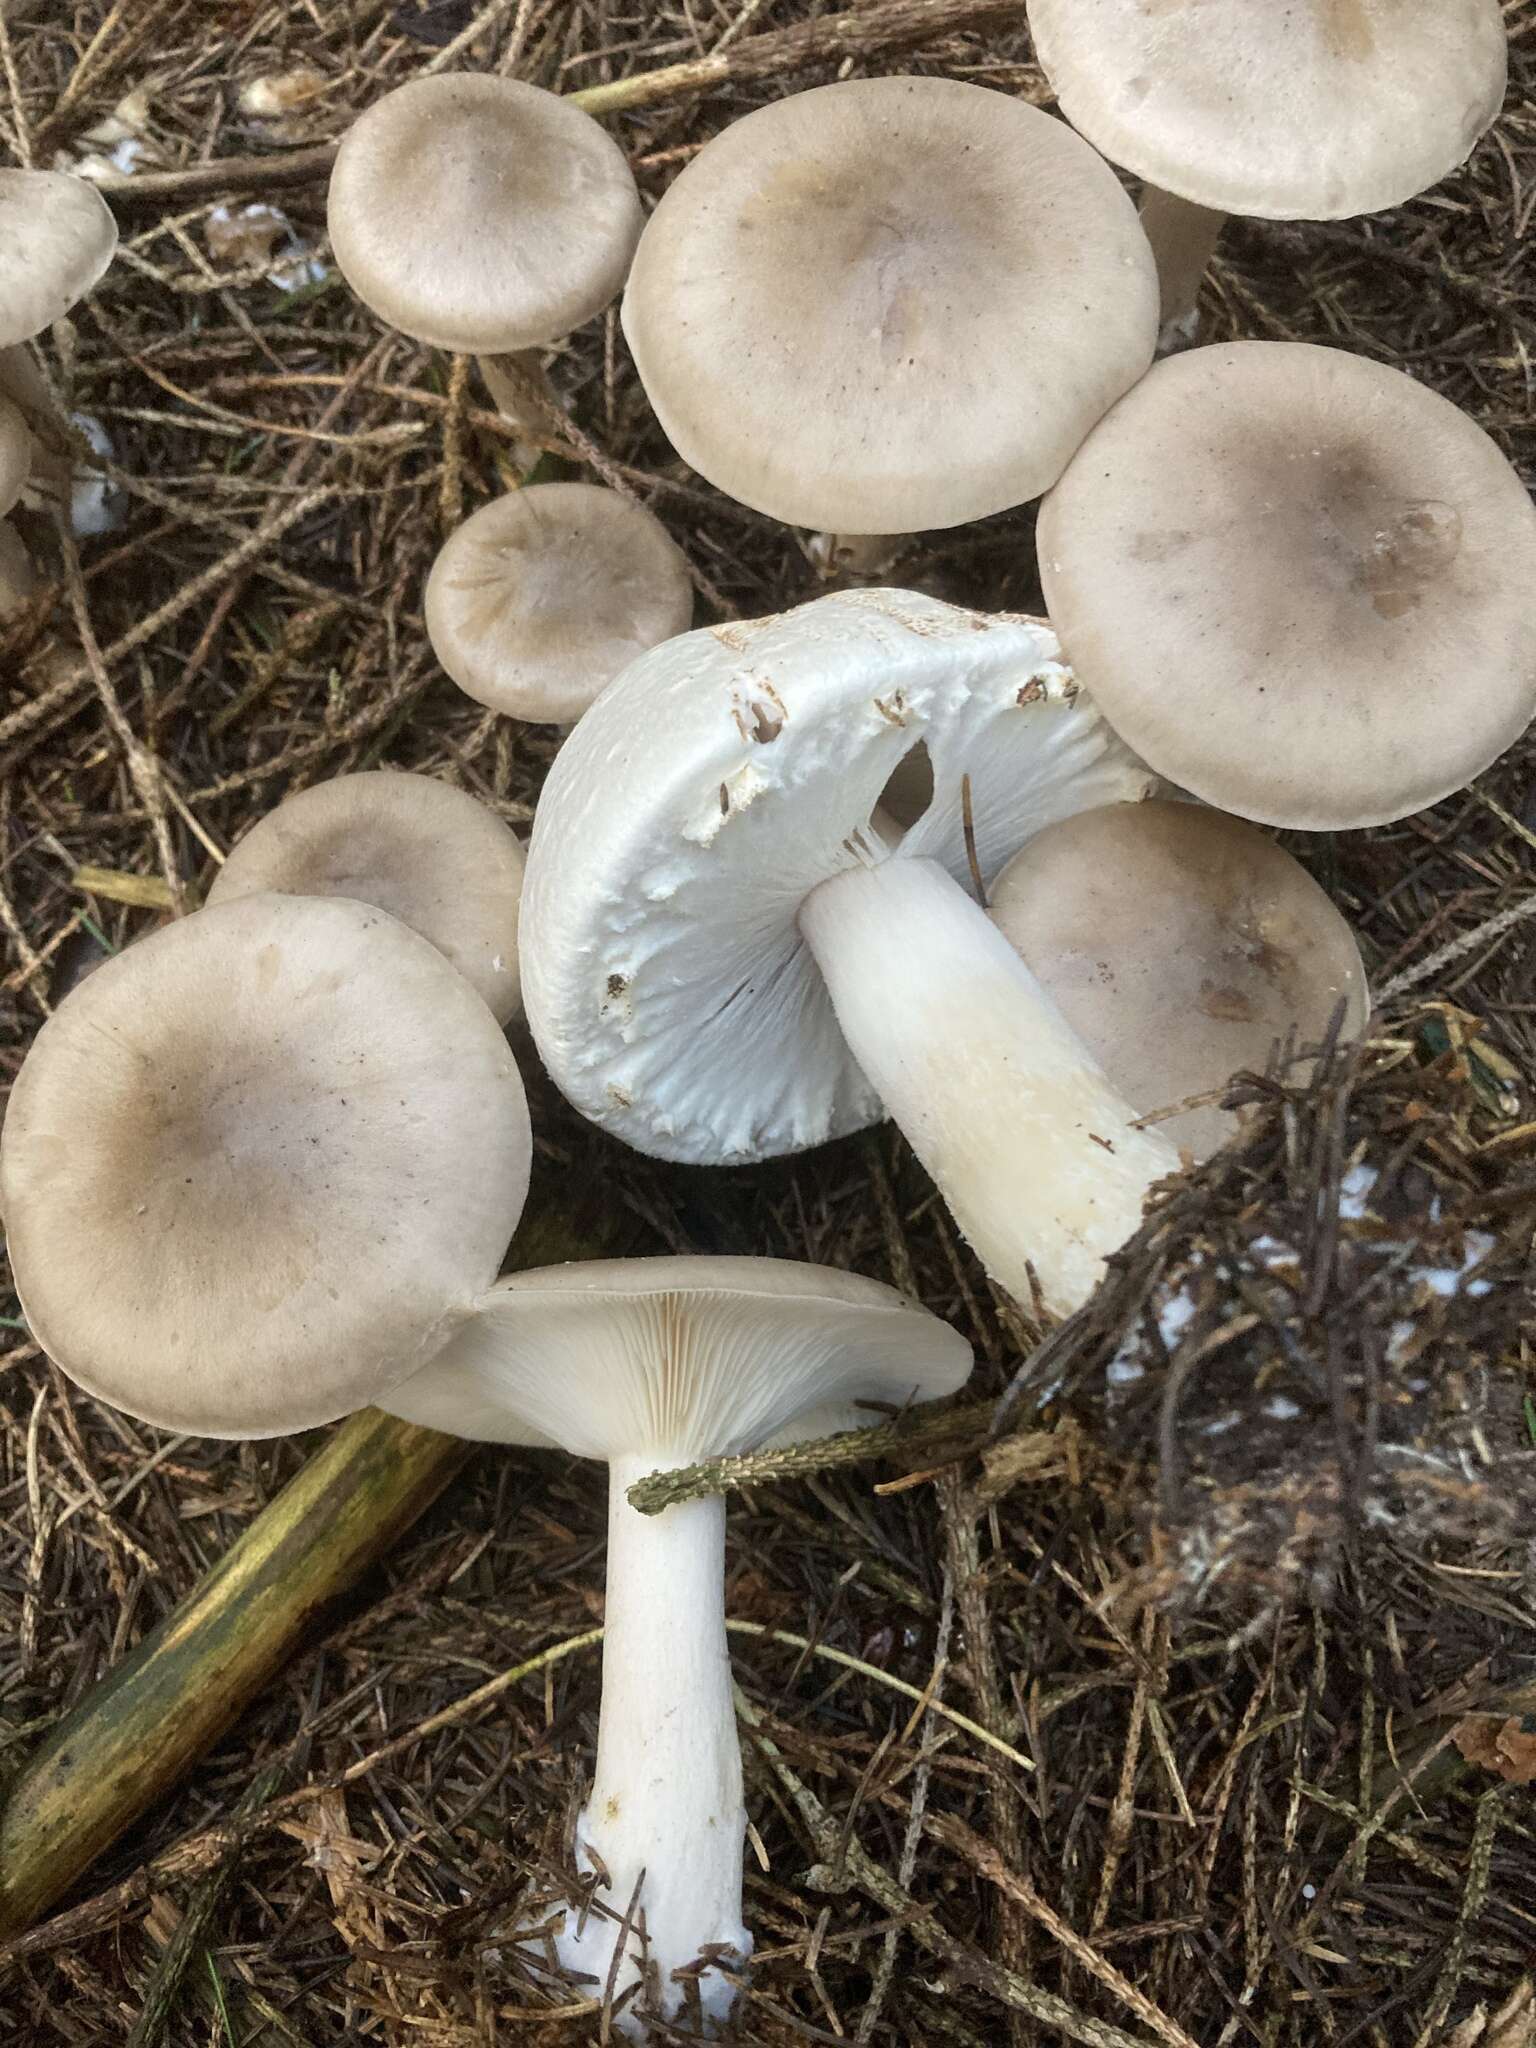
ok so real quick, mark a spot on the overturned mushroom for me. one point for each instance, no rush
(1309, 111)
(1298, 583)
(428, 854)
(648, 1364)
(258, 1167)
(538, 600)
(725, 956)
(1180, 945)
(889, 304)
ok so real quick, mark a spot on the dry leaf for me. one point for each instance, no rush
(1507, 1748)
(281, 91)
(1512, 2026)
(342, 1857)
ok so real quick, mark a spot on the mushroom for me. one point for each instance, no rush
(256, 1168)
(428, 854)
(50, 461)
(1298, 583)
(889, 304)
(542, 596)
(482, 215)
(1180, 945)
(57, 236)
(15, 454)
(18, 578)
(1310, 111)
(654, 1364)
(724, 957)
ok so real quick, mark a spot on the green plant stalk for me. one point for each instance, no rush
(137, 1732)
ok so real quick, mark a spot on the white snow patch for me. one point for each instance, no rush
(1354, 1191)
(1173, 1317)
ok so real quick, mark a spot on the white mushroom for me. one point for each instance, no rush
(1307, 111)
(538, 600)
(1180, 944)
(725, 958)
(652, 1364)
(889, 304)
(427, 853)
(1300, 584)
(259, 1166)
(482, 214)
(57, 236)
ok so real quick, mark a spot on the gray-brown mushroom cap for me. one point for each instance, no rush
(539, 599)
(889, 304)
(1297, 583)
(256, 1168)
(1307, 111)
(427, 853)
(1180, 945)
(481, 214)
(57, 236)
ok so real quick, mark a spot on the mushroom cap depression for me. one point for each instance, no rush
(710, 788)
(481, 214)
(685, 1357)
(255, 1168)
(1179, 944)
(538, 600)
(1309, 111)
(1298, 583)
(427, 853)
(57, 236)
(889, 304)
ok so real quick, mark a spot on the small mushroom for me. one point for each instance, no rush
(18, 578)
(15, 454)
(51, 464)
(427, 853)
(539, 599)
(257, 1167)
(1180, 945)
(1298, 583)
(1309, 111)
(57, 236)
(481, 214)
(725, 956)
(889, 304)
(652, 1364)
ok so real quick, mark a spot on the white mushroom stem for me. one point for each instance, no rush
(1183, 238)
(522, 393)
(665, 1812)
(1031, 1146)
(856, 555)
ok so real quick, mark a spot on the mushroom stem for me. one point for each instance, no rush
(665, 1812)
(522, 393)
(856, 557)
(1183, 238)
(1029, 1142)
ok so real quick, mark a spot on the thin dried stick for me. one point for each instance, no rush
(859, 32)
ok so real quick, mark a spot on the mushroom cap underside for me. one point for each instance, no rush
(711, 787)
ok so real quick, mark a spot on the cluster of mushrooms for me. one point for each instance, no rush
(999, 878)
